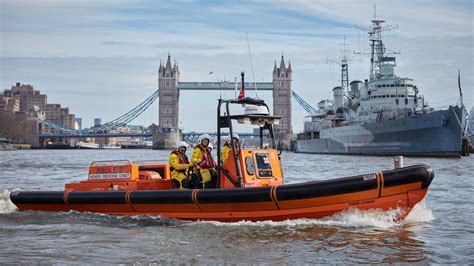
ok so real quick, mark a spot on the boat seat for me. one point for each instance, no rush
(148, 175)
(162, 170)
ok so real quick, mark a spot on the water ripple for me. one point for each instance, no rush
(438, 230)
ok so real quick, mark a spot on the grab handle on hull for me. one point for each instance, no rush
(280, 148)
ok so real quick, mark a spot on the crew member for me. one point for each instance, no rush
(227, 147)
(179, 166)
(204, 162)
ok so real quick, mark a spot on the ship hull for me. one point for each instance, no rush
(437, 134)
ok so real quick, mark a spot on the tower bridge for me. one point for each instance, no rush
(170, 86)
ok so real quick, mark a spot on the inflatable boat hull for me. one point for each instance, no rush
(400, 188)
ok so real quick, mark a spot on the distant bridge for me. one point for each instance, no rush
(92, 135)
(188, 136)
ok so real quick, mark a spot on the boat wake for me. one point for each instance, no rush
(419, 214)
(6, 205)
(351, 218)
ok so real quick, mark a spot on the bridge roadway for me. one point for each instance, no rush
(186, 136)
(92, 135)
(223, 85)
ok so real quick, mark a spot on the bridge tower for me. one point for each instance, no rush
(282, 101)
(168, 128)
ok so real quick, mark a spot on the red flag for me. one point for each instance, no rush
(242, 90)
(242, 93)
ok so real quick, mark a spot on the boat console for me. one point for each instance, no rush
(244, 167)
(248, 167)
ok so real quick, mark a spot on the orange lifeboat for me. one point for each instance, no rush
(250, 186)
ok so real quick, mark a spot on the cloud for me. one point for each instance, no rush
(167, 45)
(415, 17)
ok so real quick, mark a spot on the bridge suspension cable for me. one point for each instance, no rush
(56, 126)
(306, 106)
(132, 114)
(117, 122)
(143, 106)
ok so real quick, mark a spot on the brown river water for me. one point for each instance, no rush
(439, 230)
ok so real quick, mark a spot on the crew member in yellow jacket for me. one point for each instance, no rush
(179, 166)
(204, 162)
(226, 147)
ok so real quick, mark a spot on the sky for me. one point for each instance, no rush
(100, 58)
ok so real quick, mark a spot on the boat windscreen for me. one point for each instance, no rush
(264, 167)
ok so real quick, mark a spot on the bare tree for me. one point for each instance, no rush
(12, 127)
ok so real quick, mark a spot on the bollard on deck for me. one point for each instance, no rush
(398, 162)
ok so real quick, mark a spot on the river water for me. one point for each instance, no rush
(439, 230)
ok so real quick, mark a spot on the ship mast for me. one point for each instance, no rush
(377, 48)
(344, 67)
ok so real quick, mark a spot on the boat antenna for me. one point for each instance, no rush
(375, 11)
(235, 89)
(251, 66)
(225, 85)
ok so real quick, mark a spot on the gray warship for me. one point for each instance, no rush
(384, 115)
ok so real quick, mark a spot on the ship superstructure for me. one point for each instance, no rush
(385, 114)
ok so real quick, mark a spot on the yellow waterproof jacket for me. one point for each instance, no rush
(178, 166)
(225, 153)
(198, 157)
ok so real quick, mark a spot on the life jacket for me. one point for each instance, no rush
(207, 160)
(183, 159)
(225, 152)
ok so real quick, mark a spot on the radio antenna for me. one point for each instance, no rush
(251, 66)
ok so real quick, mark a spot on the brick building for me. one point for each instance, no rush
(23, 108)
(26, 98)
